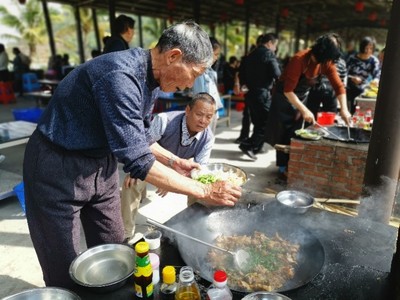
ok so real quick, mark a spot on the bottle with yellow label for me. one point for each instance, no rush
(144, 273)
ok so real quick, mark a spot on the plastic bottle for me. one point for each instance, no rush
(187, 287)
(169, 286)
(358, 118)
(155, 265)
(143, 276)
(368, 115)
(219, 290)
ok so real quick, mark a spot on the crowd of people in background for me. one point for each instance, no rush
(312, 80)
(260, 75)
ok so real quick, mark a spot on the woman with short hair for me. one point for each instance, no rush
(303, 71)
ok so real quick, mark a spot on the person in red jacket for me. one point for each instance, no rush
(303, 71)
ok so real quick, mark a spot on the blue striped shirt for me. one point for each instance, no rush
(101, 108)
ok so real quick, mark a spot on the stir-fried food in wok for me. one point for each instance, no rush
(271, 263)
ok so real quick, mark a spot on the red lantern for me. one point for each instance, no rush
(285, 12)
(309, 20)
(239, 2)
(359, 6)
(373, 16)
(171, 5)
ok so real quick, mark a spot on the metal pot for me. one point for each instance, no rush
(103, 268)
(295, 201)
(206, 225)
(43, 294)
(265, 296)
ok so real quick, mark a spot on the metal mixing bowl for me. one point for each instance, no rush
(265, 296)
(217, 168)
(297, 202)
(44, 294)
(103, 268)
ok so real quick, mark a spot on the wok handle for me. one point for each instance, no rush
(159, 225)
(329, 132)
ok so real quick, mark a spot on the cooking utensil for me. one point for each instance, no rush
(103, 268)
(223, 170)
(358, 135)
(265, 296)
(328, 131)
(348, 131)
(297, 202)
(208, 224)
(43, 294)
(240, 256)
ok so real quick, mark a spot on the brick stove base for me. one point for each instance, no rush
(327, 169)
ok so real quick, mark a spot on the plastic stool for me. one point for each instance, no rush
(30, 82)
(6, 92)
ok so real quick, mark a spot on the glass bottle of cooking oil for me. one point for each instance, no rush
(187, 286)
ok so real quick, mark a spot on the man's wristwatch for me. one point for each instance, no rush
(171, 161)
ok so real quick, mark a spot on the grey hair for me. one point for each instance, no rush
(191, 39)
(202, 96)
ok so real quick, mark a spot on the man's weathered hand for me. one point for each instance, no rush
(184, 166)
(129, 182)
(161, 192)
(222, 193)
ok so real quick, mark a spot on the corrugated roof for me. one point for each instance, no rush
(322, 15)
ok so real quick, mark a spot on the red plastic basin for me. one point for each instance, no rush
(326, 118)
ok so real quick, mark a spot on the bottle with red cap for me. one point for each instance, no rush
(219, 289)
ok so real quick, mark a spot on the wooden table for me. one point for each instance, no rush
(53, 83)
(15, 133)
(42, 98)
(164, 104)
(12, 134)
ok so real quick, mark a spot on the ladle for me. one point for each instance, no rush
(240, 256)
(348, 131)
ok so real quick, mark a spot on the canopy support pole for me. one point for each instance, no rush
(49, 28)
(383, 160)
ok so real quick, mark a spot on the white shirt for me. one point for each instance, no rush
(3, 61)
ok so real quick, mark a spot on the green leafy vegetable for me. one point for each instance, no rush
(207, 178)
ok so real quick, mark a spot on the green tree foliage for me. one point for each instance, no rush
(28, 21)
(153, 29)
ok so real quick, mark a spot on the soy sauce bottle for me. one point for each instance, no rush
(143, 276)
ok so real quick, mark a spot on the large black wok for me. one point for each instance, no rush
(357, 135)
(206, 225)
